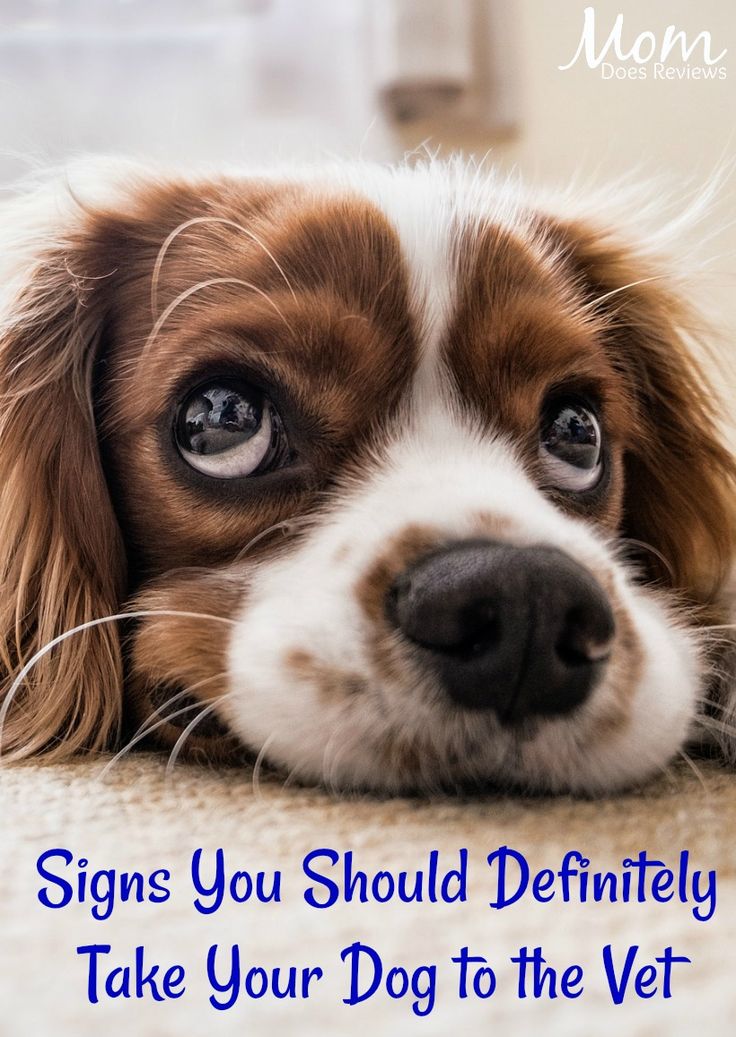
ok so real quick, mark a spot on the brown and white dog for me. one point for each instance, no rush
(407, 479)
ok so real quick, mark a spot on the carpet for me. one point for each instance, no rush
(137, 819)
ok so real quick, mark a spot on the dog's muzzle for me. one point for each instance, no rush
(523, 631)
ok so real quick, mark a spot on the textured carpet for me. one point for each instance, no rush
(136, 819)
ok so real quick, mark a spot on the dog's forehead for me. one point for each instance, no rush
(449, 278)
(474, 287)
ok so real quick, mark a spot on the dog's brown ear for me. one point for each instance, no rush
(680, 494)
(61, 555)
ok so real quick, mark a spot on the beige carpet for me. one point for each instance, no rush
(136, 819)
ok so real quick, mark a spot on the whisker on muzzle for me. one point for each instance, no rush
(147, 728)
(209, 707)
(258, 765)
(90, 624)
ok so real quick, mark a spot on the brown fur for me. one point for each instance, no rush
(329, 682)
(680, 476)
(61, 555)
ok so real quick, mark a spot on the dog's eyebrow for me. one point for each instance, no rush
(326, 353)
(517, 326)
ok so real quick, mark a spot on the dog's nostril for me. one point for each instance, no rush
(521, 631)
(579, 644)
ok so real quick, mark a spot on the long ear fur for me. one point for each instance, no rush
(61, 556)
(680, 496)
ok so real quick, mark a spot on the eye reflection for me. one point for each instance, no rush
(219, 418)
(571, 445)
(230, 430)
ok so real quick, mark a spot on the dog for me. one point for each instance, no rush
(396, 479)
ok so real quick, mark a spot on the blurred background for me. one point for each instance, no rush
(258, 81)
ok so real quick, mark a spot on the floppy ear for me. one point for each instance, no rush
(680, 494)
(61, 555)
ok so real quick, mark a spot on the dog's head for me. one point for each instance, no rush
(405, 481)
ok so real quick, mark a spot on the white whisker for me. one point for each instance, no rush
(289, 526)
(90, 624)
(695, 769)
(179, 744)
(192, 223)
(256, 776)
(200, 286)
(652, 550)
(144, 734)
(595, 303)
(147, 728)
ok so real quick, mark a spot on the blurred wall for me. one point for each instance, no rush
(245, 80)
(577, 122)
(576, 117)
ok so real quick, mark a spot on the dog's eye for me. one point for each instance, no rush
(229, 431)
(570, 445)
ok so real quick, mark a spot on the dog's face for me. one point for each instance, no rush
(407, 483)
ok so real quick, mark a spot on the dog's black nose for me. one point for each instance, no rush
(520, 630)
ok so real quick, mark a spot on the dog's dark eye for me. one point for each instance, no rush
(230, 430)
(570, 445)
